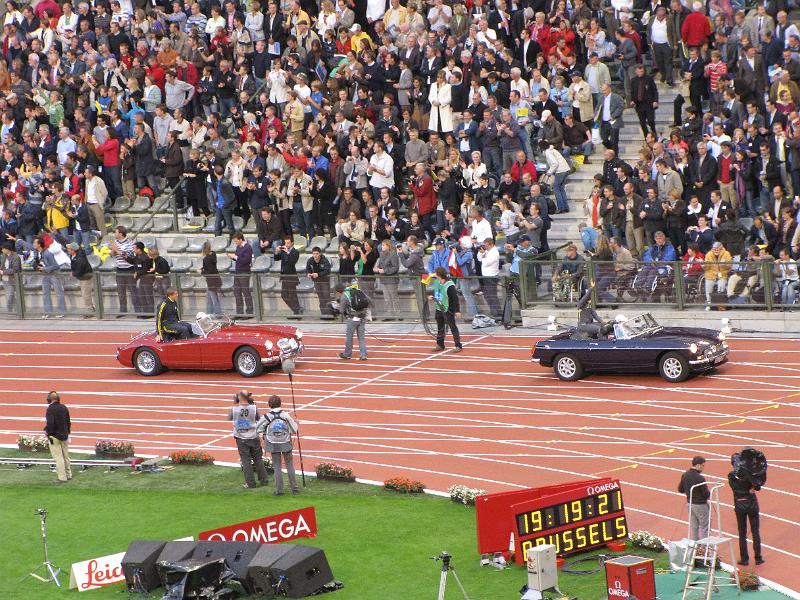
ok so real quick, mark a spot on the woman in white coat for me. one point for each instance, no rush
(441, 117)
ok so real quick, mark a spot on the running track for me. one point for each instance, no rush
(485, 417)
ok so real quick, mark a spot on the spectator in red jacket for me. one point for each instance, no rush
(422, 187)
(696, 28)
(521, 166)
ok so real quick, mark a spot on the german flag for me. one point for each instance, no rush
(426, 278)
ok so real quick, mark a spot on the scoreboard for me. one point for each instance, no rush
(572, 517)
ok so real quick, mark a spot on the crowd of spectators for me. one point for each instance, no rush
(393, 126)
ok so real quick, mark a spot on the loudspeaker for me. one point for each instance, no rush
(139, 564)
(237, 554)
(259, 580)
(175, 551)
(301, 572)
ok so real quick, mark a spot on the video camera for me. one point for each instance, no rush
(750, 465)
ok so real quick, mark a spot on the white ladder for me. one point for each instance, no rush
(706, 551)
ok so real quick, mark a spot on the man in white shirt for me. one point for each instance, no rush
(520, 85)
(489, 259)
(380, 170)
(96, 195)
(480, 227)
(662, 49)
(438, 16)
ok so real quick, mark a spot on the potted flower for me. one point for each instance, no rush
(404, 485)
(191, 457)
(748, 581)
(647, 540)
(465, 495)
(334, 472)
(33, 443)
(113, 449)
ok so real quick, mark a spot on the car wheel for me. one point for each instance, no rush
(567, 367)
(147, 362)
(247, 362)
(673, 367)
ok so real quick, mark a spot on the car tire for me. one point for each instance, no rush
(146, 362)
(673, 367)
(568, 367)
(247, 362)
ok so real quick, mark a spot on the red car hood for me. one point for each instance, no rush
(267, 330)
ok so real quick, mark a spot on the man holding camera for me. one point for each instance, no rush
(354, 305)
(244, 415)
(57, 430)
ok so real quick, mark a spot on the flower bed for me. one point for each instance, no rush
(334, 472)
(748, 581)
(191, 457)
(113, 449)
(464, 495)
(404, 485)
(645, 539)
(33, 443)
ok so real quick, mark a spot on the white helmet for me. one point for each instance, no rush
(620, 318)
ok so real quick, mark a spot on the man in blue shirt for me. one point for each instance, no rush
(225, 201)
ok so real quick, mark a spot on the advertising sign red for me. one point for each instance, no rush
(286, 526)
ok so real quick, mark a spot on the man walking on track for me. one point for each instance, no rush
(278, 427)
(697, 497)
(354, 305)
(244, 415)
(57, 429)
(445, 297)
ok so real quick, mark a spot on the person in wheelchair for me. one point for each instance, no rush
(568, 275)
(590, 324)
(655, 257)
(169, 326)
(743, 278)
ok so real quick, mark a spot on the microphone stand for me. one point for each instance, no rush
(288, 367)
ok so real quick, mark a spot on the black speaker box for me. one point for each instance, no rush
(139, 564)
(237, 554)
(304, 570)
(178, 550)
(259, 579)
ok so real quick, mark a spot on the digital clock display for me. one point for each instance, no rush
(581, 537)
(536, 521)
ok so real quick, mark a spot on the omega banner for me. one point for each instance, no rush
(286, 526)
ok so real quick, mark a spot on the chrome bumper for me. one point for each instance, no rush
(714, 359)
(279, 358)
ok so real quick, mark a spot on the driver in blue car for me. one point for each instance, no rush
(589, 322)
(169, 326)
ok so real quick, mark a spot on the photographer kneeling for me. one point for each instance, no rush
(244, 415)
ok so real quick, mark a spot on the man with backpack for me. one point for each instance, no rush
(244, 415)
(354, 305)
(278, 427)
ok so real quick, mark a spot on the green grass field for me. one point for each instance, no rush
(377, 542)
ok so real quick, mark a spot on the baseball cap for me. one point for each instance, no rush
(438, 241)
(73, 246)
(546, 115)
(524, 238)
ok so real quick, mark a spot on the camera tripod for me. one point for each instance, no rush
(49, 572)
(447, 568)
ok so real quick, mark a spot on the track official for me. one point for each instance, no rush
(57, 430)
(698, 507)
(355, 307)
(445, 298)
(244, 415)
(168, 321)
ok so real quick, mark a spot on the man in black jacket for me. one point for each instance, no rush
(288, 256)
(644, 99)
(82, 271)
(169, 326)
(445, 297)
(57, 430)
(318, 270)
(693, 484)
(745, 504)
(258, 187)
(703, 173)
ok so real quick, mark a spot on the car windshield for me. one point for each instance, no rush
(635, 327)
(208, 323)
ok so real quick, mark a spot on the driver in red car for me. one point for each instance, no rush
(168, 321)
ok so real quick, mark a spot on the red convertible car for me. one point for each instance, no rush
(219, 344)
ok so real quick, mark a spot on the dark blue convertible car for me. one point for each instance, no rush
(638, 345)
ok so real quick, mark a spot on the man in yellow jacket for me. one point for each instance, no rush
(716, 269)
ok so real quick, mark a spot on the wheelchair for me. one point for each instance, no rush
(653, 284)
(567, 290)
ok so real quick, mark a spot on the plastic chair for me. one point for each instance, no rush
(262, 263)
(140, 204)
(179, 244)
(224, 264)
(121, 205)
(219, 243)
(300, 242)
(161, 224)
(196, 244)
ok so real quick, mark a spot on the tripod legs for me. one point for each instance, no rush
(50, 573)
(443, 583)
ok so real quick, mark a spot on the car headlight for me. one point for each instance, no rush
(298, 334)
(268, 344)
(693, 348)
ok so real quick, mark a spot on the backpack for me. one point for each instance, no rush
(480, 321)
(358, 300)
(278, 431)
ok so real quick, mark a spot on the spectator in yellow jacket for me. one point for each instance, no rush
(716, 268)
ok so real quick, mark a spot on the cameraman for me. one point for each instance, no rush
(745, 504)
(355, 307)
(57, 430)
(244, 415)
